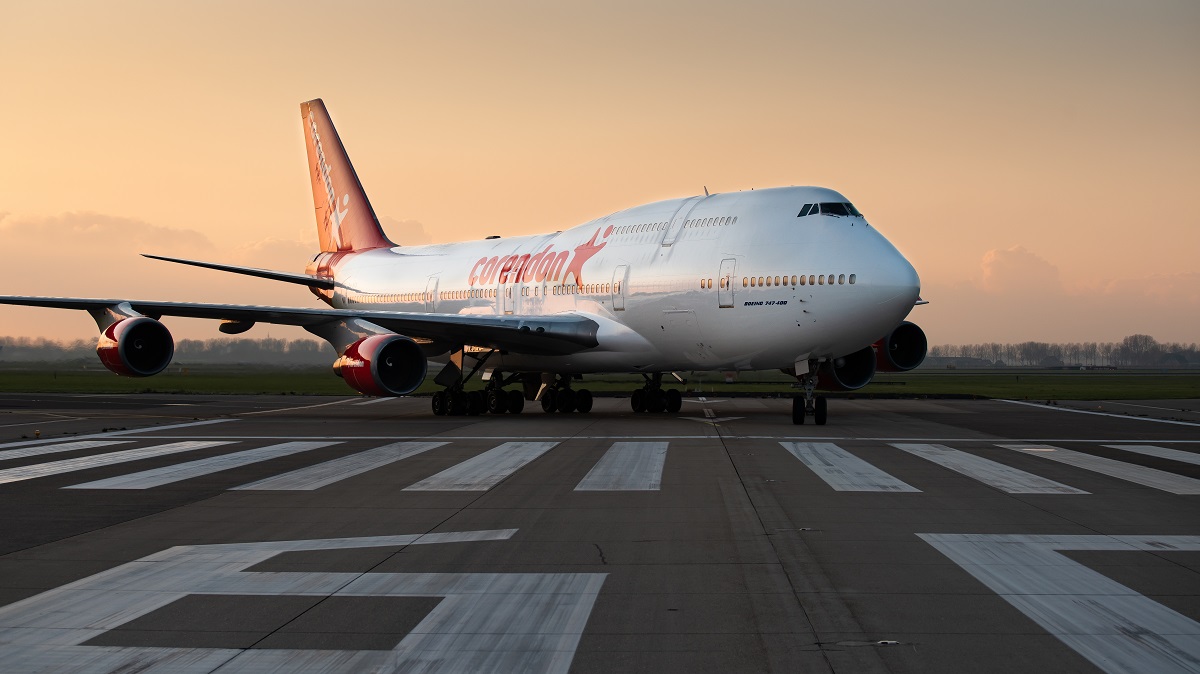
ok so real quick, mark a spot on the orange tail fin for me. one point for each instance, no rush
(345, 219)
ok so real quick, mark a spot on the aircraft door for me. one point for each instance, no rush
(676, 224)
(725, 283)
(431, 290)
(506, 291)
(618, 287)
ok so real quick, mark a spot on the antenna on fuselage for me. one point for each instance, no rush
(706, 190)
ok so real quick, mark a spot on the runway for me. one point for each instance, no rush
(285, 533)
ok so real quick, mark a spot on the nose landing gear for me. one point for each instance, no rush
(808, 403)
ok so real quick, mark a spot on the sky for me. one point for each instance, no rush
(1038, 163)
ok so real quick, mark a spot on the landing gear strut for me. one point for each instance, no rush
(808, 403)
(654, 398)
(558, 396)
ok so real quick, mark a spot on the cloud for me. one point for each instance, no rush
(1017, 269)
(405, 232)
(1019, 296)
(90, 234)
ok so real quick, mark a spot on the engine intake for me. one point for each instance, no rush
(848, 373)
(136, 347)
(382, 365)
(902, 349)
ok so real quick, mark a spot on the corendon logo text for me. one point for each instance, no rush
(334, 215)
(547, 265)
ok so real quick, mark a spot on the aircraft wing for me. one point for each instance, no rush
(557, 334)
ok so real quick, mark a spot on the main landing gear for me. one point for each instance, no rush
(454, 401)
(808, 403)
(560, 397)
(654, 398)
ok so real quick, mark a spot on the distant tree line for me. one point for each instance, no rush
(229, 351)
(1133, 351)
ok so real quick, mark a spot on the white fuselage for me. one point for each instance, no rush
(699, 283)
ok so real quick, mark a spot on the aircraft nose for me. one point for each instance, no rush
(899, 283)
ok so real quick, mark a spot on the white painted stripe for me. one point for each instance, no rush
(54, 449)
(1161, 452)
(375, 401)
(156, 477)
(627, 466)
(85, 462)
(485, 471)
(322, 474)
(1117, 629)
(1158, 479)
(301, 407)
(1101, 414)
(109, 434)
(1150, 407)
(842, 470)
(1005, 478)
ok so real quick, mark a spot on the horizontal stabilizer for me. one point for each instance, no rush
(299, 279)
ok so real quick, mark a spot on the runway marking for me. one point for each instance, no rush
(292, 409)
(52, 449)
(710, 420)
(1005, 478)
(1150, 407)
(374, 401)
(627, 466)
(974, 440)
(1101, 414)
(322, 474)
(84, 462)
(1161, 452)
(842, 470)
(486, 622)
(156, 477)
(1130, 472)
(486, 470)
(44, 421)
(109, 434)
(1117, 629)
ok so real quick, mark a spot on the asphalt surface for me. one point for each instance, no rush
(258, 533)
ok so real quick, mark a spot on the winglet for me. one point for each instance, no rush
(345, 219)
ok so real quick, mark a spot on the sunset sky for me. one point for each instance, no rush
(1039, 163)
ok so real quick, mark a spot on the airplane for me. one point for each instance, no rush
(790, 278)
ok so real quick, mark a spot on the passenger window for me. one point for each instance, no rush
(722, 282)
(776, 280)
(821, 280)
(841, 279)
(753, 282)
(793, 280)
(701, 283)
(760, 281)
(710, 284)
(852, 278)
(745, 281)
(802, 279)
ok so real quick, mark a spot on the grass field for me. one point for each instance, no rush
(1010, 383)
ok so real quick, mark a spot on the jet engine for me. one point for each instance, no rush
(136, 347)
(382, 365)
(848, 373)
(902, 349)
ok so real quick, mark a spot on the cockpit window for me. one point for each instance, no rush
(830, 208)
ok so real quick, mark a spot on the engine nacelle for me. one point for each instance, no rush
(382, 365)
(848, 373)
(902, 349)
(136, 347)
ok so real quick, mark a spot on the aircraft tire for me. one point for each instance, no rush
(798, 410)
(476, 403)
(549, 400)
(674, 401)
(516, 402)
(638, 400)
(439, 403)
(656, 401)
(497, 401)
(458, 403)
(566, 401)
(822, 410)
(583, 401)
